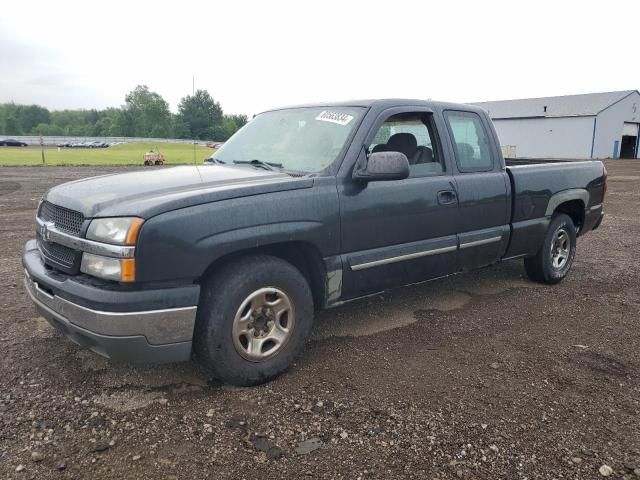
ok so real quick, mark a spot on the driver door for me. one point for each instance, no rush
(399, 231)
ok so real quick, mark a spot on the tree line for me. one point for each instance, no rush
(144, 114)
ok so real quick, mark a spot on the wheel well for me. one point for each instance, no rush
(302, 255)
(575, 210)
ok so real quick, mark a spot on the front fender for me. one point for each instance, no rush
(181, 244)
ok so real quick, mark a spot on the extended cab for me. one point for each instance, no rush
(304, 208)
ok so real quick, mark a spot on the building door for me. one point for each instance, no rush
(629, 144)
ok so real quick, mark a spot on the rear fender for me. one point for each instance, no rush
(566, 196)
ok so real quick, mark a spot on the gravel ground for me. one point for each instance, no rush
(479, 376)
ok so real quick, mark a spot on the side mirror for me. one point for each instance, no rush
(384, 166)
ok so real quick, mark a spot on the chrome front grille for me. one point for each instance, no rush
(64, 219)
(60, 254)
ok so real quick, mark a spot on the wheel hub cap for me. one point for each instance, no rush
(263, 324)
(560, 249)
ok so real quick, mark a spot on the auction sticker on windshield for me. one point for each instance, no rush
(334, 117)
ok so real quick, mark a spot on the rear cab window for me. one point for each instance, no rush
(470, 141)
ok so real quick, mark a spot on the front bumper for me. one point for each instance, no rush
(154, 326)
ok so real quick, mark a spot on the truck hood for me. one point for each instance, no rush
(148, 193)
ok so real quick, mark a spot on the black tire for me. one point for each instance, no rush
(220, 300)
(541, 268)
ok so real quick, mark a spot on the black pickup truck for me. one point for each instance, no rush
(304, 208)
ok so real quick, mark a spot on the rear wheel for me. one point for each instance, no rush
(555, 258)
(253, 319)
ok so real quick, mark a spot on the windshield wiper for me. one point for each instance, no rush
(260, 164)
(211, 160)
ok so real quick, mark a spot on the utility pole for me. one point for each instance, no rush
(193, 94)
(42, 149)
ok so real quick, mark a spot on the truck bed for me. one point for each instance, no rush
(537, 186)
(534, 182)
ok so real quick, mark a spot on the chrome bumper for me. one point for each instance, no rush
(155, 336)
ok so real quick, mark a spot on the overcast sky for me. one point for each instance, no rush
(253, 55)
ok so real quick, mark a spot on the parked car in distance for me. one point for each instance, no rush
(87, 144)
(215, 144)
(305, 208)
(12, 142)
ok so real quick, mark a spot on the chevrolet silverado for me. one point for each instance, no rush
(304, 208)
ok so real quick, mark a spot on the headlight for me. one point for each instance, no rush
(117, 230)
(118, 269)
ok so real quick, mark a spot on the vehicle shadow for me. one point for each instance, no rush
(138, 386)
(397, 308)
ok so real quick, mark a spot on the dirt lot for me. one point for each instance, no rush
(479, 376)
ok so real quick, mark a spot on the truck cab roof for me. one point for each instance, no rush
(384, 103)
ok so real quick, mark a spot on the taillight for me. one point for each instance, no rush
(604, 188)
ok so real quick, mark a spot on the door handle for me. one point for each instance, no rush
(447, 197)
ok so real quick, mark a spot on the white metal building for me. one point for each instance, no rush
(593, 125)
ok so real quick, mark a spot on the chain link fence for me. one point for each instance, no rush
(55, 140)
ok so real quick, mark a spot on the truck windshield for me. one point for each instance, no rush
(298, 139)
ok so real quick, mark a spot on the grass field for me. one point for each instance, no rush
(124, 154)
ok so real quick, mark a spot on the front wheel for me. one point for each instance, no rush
(555, 258)
(253, 319)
